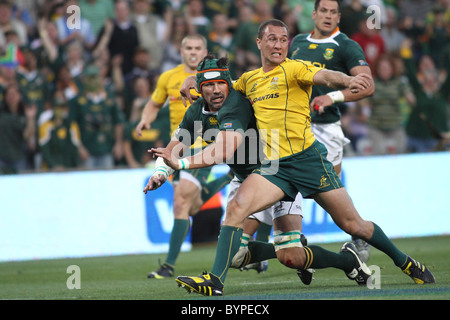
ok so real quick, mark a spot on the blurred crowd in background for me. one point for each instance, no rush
(106, 66)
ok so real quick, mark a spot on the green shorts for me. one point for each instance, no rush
(197, 176)
(308, 172)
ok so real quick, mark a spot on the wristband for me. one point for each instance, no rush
(183, 163)
(161, 168)
(336, 96)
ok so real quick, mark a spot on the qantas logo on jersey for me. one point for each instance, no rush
(267, 97)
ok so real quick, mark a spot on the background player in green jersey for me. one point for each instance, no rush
(327, 47)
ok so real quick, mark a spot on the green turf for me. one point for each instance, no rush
(125, 277)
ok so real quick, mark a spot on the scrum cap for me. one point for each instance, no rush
(213, 70)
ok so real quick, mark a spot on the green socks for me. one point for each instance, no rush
(380, 241)
(260, 251)
(211, 188)
(320, 258)
(227, 246)
(263, 232)
(179, 233)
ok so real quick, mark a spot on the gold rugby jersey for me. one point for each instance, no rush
(168, 87)
(281, 100)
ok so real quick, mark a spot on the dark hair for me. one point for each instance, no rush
(317, 2)
(221, 62)
(271, 22)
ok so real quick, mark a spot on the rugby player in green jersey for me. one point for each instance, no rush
(327, 47)
(191, 189)
(280, 92)
(223, 115)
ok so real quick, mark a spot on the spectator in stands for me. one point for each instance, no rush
(244, 42)
(390, 33)
(152, 32)
(352, 12)
(172, 56)
(59, 138)
(32, 82)
(437, 37)
(370, 40)
(100, 122)
(53, 52)
(65, 83)
(67, 33)
(220, 40)
(198, 22)
(17, 131)
(96, 12)
(228, 7)
(121, 36)
(427, 126)
(9, 23)
(386, 130)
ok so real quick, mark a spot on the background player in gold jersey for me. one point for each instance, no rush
(191, 191)
(280, 93)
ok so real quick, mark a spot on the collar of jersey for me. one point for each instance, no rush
(330, 39)
(208, 113)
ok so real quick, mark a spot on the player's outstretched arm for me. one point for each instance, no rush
(162, 170)
(218, 152)
(149, 114)
(320, 102)
(339, 80)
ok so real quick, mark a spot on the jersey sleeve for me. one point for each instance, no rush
(304, 71)
(353, 55)
(160, 94)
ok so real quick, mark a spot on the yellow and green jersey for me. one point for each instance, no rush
(337, 52)
(168, 87)
(280, 101)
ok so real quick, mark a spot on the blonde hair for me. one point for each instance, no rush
(195, 36)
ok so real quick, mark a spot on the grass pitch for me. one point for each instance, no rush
(125, 278)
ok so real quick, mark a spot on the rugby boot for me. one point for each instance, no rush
(202, 285)
(306, 276)
(363, 249)
(258, 266)
(418, 272)
(360, 272)
(165, 271)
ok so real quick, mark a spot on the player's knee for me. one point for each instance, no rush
(235, 212)
(357, 228)
(289, 248)
(181, 205)
(292, 257)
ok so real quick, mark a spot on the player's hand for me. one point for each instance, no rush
(167, 155)
(154, 182)
(185, 90)
(360, 82)
(320, 102)
(140, 126)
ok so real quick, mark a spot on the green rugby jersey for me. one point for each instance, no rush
(337, 52)
(97, 118)
(236, 114)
